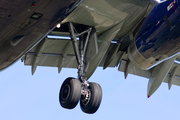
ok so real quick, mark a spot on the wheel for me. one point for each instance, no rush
(70, 93)
(91, 103)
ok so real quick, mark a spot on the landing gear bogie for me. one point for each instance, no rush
(89, 94)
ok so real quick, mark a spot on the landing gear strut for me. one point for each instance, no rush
(73, 90)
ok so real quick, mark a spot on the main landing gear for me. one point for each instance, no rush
(73, 90)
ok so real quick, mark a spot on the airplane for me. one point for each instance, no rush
(141, 37)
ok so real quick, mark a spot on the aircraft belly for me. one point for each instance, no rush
(32, 20)
(104, 14)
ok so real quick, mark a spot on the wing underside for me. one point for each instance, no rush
(55, 52)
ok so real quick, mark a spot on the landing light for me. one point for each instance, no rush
(159, 1)
(58, 25)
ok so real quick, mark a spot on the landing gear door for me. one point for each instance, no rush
(92, 48)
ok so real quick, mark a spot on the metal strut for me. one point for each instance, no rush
(80, 50)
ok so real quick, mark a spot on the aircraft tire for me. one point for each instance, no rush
(70, 93)
(92, 105)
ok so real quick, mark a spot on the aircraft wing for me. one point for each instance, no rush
(52, 51)
(57, 52)
(172, 76)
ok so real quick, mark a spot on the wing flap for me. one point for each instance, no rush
(130, 68)
(52, 60)
(53, 51)
(61, 50)
(175, 81)
(174, 75)
(54, 46)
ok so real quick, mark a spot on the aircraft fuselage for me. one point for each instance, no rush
(24, 23)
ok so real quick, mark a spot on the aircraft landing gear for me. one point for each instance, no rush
(73, 90)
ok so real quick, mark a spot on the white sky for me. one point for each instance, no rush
(27, 97)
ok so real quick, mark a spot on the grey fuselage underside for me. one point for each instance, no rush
(101, 14)
(20, 18)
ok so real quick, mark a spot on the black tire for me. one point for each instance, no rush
(70, 93)
(94, 101)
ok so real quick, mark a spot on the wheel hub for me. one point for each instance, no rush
(65, 92)
(85, 95)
